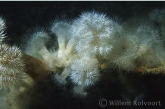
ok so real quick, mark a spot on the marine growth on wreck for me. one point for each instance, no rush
(85, 47)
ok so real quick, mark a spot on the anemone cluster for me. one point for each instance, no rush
(86, 46)
(93, 42)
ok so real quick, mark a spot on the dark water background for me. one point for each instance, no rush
(24, 16)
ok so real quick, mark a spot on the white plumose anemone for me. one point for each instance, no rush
(124, 52)
(12, 67)
(63, 57)
(61, 79)
(36, 45)
(84, 71)
(57, 59)
(95, 33)
(2, 29)
(150, 45)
